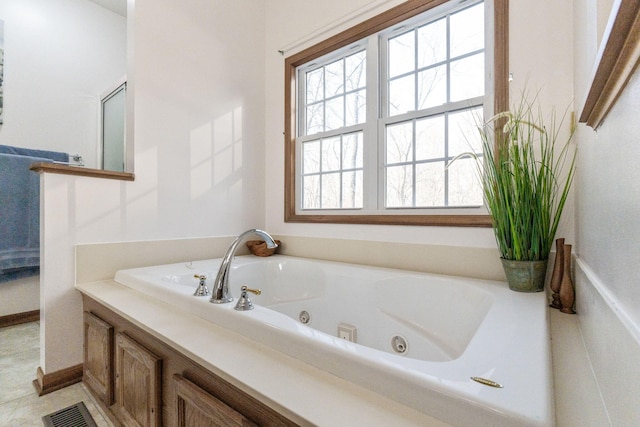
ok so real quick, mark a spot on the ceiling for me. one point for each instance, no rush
(116, 6)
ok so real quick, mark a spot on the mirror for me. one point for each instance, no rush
(113, 140)
(60, 57)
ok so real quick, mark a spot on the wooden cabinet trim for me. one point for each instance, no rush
(140, 369)
(98, 357)
(196, 408)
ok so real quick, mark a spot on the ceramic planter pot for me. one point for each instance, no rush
(525, 276)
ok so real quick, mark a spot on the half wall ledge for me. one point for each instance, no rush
(42, 167)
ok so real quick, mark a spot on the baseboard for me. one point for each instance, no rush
(46, 383)
(18, 318)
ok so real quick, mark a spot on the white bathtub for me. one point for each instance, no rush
(451, 329)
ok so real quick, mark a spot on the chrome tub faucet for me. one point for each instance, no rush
(220, 293)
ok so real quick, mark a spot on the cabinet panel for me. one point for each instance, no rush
(197, 408)
(98, 357)
(138, 388)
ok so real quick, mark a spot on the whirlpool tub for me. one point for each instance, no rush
(469, 352)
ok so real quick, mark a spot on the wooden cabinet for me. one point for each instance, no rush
(138, 376)
(197, 408)
(98, 357)
(155, 384)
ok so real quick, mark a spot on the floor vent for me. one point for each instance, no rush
(74, 416)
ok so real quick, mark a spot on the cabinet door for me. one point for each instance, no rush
(138, 385)
(197, 408)
(98, 357)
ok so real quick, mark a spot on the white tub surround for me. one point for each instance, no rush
(456, 329)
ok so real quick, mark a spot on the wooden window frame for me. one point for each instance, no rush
(371, 26)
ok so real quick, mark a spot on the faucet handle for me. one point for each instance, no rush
(253, 291)
(244, 303)
(202, 289)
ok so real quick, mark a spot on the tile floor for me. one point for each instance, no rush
(20, 406)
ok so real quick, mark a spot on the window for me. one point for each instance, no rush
(374, 116)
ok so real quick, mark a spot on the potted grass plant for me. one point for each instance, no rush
(526, 174)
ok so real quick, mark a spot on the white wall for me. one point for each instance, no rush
(540, 59)
(608, 230)
(199, 152)
(609, 200)
(60, 55)
(609, 207)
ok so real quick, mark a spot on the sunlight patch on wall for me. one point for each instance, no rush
(142, 198)
(227, 142)
(237, 138)
(223, 146)
(201, 162)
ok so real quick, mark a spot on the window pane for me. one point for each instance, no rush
(334, 78)
(356, 71)
(463, 132)
(400, 143)
(331, 154)
(467, 30)
(335, 113)
(315, 118)
(467, 77)
(430, 138)
(432, 43)
(430, 184)
(432, 81)
(432, 87)
(311, 157)
(402, 95)
(311, 194)
(356, 108)
(402, 54)
(399, 186)
(352, 189)
(315, 86)
(331, 191)
(464, 187)
(352, 151)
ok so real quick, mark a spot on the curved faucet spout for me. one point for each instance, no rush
(220, 292)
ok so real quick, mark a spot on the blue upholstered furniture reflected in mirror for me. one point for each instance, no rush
(20, 210)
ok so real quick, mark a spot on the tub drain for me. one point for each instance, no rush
(399, 344)
(304, 317)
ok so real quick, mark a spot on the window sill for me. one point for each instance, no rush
(42, 167)
(423, 220)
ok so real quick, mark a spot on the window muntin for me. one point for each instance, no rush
(332, 172)
(497, 58)
(334, 93)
